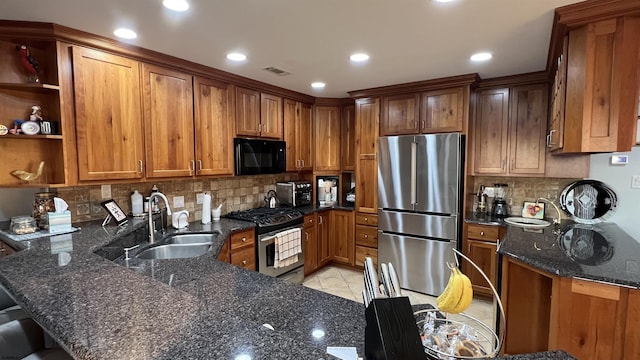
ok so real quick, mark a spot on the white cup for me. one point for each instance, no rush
(215, 213)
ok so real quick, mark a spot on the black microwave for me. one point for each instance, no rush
(257, 156)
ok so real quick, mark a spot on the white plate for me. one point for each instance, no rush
(527, 222)
(30, 127)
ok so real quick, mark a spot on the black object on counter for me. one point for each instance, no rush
(391, 331)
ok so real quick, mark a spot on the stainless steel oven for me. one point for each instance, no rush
(266, 258)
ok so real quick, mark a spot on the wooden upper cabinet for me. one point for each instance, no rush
(400, 115)
(601, 103)
(509, 131)
(298, 129)
(367, 120)
(367, 125)
(247, 112)
(327, 138)
(108, 116)
(168, 118)
(527, 129)
(270, 116)
(213, 127)
(348, 138)
(443, 110)
(490, 134)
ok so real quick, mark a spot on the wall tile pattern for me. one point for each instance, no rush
(241, 193)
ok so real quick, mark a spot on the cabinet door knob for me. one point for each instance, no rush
(366, 219)
(244, 239)
(311, 221)
(366, 236)
(481, 233)
(244, 262)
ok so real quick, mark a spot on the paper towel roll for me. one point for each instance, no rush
(206, 209)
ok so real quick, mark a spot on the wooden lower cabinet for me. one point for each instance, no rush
(341, 240)
(310, 244)
(480, 245)
(366, 241)
(323, 234)
(362, 252)
(6, 250)
(587, 319)
(241, 249)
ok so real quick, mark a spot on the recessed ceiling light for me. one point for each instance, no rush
(236, 57)
(176, 5)
(481, 56)
(444, 1)
(125, 33)
(359, 57)
(318, 85)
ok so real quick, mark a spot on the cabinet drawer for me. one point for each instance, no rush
(245, 258)
(367, 219)
(5, 250)
(309, 220)
(367, 236)
(243, 238)
(362, 252)
(485, 233)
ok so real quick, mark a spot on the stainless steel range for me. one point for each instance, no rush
(269, 223)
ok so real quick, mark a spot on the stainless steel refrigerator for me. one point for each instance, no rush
(420, 184)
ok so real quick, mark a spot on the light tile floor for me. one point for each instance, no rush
(348, 284)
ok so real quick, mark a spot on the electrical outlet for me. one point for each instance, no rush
(635, 181)
(105, 191)
(490, 192)
(199, 198)
(178, 201)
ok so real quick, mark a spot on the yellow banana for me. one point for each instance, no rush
(445, 294)
(466, 296)
(449, 299)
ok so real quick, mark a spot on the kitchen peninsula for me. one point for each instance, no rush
(574, 287)
(197, 308)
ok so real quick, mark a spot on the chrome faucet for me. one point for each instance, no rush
(166, 204)
(559, 218)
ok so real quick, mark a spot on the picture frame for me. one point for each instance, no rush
(533, 210)
(115, 212)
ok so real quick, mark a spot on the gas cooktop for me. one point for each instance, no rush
(269, 218)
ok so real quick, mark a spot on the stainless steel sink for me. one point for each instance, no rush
(190, 239)
(174, 251)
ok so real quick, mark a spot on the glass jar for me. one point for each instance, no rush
(23, 225)
(43, 204)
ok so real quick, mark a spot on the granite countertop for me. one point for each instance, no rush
(196, 308)
(601, 252)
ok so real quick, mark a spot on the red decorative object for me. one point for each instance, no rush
(29, 63)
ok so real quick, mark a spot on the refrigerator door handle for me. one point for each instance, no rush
(414, 153)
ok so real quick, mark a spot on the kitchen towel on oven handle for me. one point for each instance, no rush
(288, 246)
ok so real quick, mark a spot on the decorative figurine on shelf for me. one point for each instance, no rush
(29, 176)
(16, 130)
(29, 63)
(36, 113)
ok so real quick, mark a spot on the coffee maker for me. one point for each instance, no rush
(500, 207)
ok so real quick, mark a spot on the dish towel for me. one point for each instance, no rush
(288, 246)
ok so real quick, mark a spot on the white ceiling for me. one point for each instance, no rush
(408, 40)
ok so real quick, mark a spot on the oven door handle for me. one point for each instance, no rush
(269, 238)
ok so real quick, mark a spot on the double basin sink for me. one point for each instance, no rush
(178, 246)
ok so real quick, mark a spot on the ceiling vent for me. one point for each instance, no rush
(276, 71)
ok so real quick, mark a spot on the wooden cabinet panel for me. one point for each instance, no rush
(310, 247)
(244, 257)
(327, 138)
(367, 184)
(480, 246)
(323, 230)
(213, 127)
(362, 252)
(342, 232)
(484, 232)
(443, 110)
(247, 112)
(555, 138)
(270, 116)
(298, 135)
(490, 133)
(108, 116)
(632, 331)
(367, 236)
(527, 129)
(310, 220)
(348, 138)
(591, 319)
(225, 253)
(367, 219)
(243, 238)
(400, 115)
(367, 119)
(168, 118)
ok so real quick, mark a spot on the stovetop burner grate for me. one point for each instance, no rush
(268, 217)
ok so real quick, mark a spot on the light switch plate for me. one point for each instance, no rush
(490, 192)
(635, 181)
(199, 198)
(105, 191)
(178, 201)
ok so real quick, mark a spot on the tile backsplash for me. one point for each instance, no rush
(523, 189)
(241, 193)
